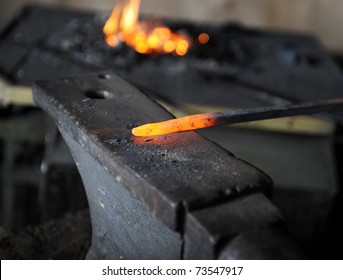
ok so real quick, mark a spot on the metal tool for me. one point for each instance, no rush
(204, 120)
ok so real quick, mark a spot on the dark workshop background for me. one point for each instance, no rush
(321, 18)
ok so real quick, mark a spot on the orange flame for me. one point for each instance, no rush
(145, 37)
(176, 125)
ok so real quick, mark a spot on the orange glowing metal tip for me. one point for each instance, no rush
(176, 125)
(193, 122)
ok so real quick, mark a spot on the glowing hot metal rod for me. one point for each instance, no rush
(193, 122)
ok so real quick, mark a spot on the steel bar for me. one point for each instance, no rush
(204, 120)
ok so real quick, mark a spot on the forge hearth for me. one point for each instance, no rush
(262, 67)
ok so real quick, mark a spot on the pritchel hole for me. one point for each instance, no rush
(313, 60)
(99, 94)
(104, 76)
(309, 60)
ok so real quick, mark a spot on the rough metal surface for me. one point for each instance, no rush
(264, 243)
(144, 193)
(122, 227)
(164, 173)
(216, 225)
(305, 176)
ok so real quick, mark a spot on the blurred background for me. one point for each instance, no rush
(322, 18)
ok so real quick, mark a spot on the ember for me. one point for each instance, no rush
(145, 37)
(203, 38)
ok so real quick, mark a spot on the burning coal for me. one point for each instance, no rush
(145, 37)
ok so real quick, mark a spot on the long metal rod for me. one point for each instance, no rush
(238, 116)
(279, 111)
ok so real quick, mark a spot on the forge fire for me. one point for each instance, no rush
(146, 37)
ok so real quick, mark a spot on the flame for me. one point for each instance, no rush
(176, 125)
(145, 37)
